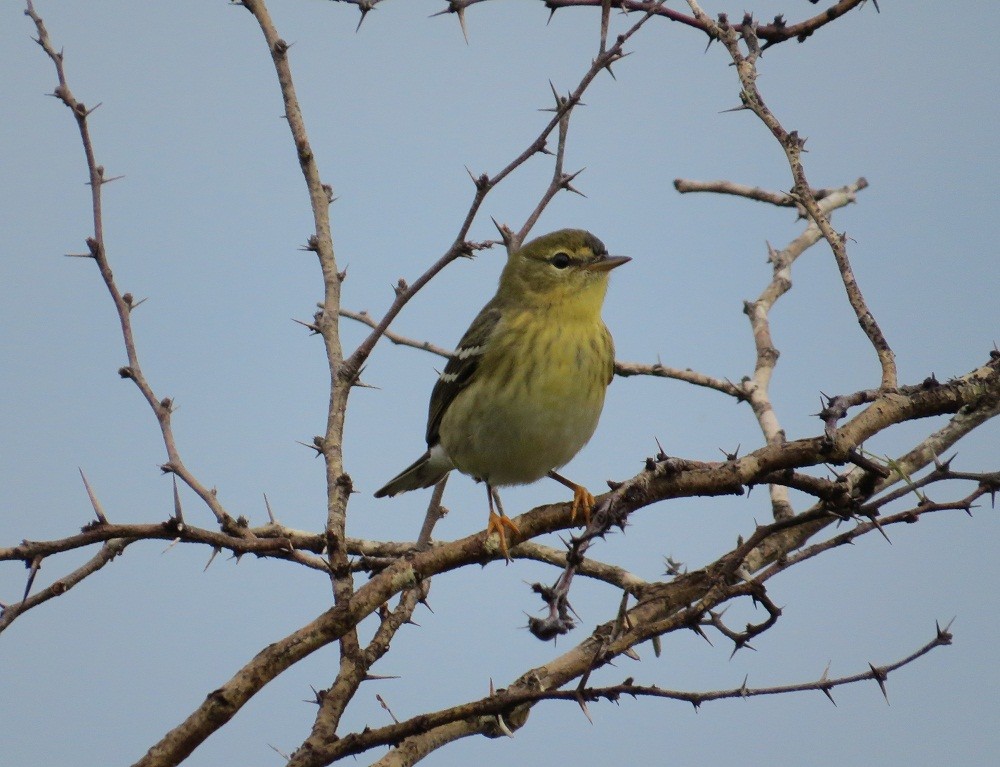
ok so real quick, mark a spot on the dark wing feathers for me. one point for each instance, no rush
(461, 367)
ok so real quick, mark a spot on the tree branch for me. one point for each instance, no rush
(124, 304)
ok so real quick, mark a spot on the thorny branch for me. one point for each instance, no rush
(124, 303)
(345, 373)
(343, 376)
(781, 199)
(778, 31)
(686, 602)
(662, 472)
(756, 387)
(793, 145)
(508, 704)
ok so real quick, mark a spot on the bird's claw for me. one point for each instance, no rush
(497, 524)
(583, 501)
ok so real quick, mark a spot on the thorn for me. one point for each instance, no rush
(503, 727)
(583, 706)
(739, 644)
(660, 454)
(215, 551)
(364, 6)
(270, 513)
(696, 628)
(944, 635)
(178, 513)
(555, 95)
(129, 300)
(505, 233)
(733, 455)
(173, 543)
(566, 182)
(878, 526)
(93, 500)
(379, 677)
(944, 464)
(316, 445)
(826, 692)
(279, 753)
(458, 8)
(673, 567)
(312, 327)
(384, 705)
(880, 676)
(36, 565)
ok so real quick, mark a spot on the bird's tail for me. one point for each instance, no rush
(427, 470)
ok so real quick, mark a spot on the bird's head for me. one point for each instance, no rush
(568, 268)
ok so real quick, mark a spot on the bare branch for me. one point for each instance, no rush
(793, 145)
(109, 551)
(124, 304)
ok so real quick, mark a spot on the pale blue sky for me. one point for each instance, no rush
(207, 224)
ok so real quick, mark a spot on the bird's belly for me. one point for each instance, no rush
(524, 430)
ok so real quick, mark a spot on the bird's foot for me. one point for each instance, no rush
(582, 501)
(498, 524)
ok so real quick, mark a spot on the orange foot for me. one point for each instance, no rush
(497, 524)
(582, 500)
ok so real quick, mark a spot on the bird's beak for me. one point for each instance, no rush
(607, 263)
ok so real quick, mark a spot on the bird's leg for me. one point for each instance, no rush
(582, 499)
(499, 521)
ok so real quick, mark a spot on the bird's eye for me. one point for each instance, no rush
(560, 260)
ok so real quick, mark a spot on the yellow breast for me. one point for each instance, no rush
(534, 403)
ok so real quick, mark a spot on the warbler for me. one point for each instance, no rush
(524, 390)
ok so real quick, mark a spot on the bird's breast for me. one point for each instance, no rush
(534, 403)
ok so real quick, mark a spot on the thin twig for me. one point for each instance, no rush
(793, 146)
(162, 408)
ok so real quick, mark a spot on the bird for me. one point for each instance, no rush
(524, 389)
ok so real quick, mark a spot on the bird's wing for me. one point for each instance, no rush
(461, 367)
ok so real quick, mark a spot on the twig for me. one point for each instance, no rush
(589, 568)
(108, 551)
(658, 370)
(756, 388)
(124, 304)
(560, 180)
(396, 338)
(503, 702)
(793, 145)
(778, 31)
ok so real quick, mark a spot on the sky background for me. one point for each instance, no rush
(207, 225)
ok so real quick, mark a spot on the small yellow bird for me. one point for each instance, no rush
(524, 390)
